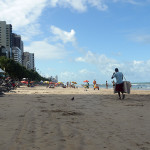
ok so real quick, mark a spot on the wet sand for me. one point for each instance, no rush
(41, 118)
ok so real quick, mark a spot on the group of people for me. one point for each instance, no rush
(7, 84)
(118, 86)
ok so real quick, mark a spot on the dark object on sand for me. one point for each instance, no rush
(72, 99)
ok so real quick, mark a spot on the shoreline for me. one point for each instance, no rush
(60, 90)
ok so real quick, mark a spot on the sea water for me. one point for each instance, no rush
(134, 86)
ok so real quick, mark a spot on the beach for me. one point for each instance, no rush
(40, 118)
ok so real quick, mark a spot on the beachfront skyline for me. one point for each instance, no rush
(84, 39)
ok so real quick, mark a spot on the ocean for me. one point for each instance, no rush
(135, 86)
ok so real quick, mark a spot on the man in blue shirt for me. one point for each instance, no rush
(119, 82)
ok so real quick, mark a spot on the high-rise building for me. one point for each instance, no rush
(28, 60)
(9, 39)
(17, 42)
(3, 33)
(5, 37)
(17, 55)
(32, 61)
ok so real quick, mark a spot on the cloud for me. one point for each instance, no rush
(85, 71)
(144, 38)
(133, 2)
(82, 5)
(99, 4)
(134, 70)
(23, 16)
(44, 50)
(77, 76)
(80, 59)
(20, 13)
(68, 76)
(104, 64)
(63, 35)
(79, 5)
(29, 31)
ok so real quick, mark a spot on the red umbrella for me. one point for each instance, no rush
(85, 81)
(26, 82)
(52, 83)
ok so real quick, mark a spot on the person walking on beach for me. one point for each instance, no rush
(119, 82)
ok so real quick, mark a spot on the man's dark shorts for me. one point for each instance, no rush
(119, 87)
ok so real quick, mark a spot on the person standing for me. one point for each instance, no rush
(94, 82)
(113, 82)
(106, 85)
(67, 84)
(119, 82)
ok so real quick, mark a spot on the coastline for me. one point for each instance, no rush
(60, 90)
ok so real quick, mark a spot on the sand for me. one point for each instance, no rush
(41, 118)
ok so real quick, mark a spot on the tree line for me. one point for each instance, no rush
(17, 71)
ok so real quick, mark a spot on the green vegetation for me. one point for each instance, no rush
(17, 71)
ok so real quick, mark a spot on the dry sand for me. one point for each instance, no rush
(41, 118)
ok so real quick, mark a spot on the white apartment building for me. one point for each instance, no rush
(17, 55)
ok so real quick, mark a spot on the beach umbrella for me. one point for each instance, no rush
(60, 82)
(2, 71)
(26, 82)
(46, 82)
(52, 83)
(85, 81)
(74, 82)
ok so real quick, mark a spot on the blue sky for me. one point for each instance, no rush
(84, 39)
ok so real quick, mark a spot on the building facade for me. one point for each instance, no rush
(5, 37)
(17, 42)
(17, 55)
(28, 60)
(9, 39)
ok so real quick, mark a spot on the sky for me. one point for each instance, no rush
(84, 39)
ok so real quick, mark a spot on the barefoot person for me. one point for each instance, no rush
(119, 82)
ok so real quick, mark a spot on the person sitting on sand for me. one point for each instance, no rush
(119, 82)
